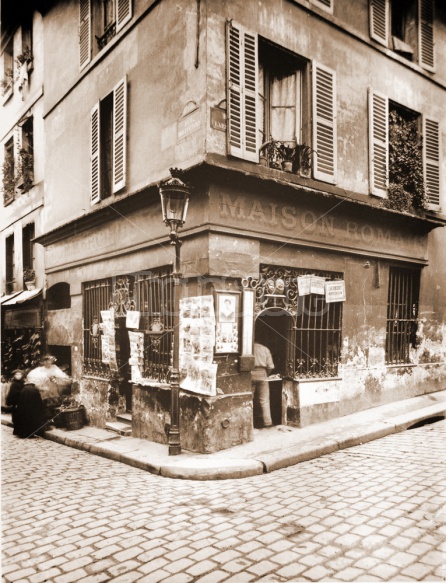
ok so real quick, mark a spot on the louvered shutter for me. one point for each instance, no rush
(123, 13)
(119, 134)
(95, 155)
(431, 159)
(242, 67)
(324, 4)
(324, 123)
(378, 143)
(426, 34)
(379, 21)
(84, 32)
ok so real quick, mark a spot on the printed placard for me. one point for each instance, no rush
(317, 285)
(132, 319)
(303, 285)
(335, 291)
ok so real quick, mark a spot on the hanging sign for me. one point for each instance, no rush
(132, 319)
(334, 291)
(303, 284)
(317, 285)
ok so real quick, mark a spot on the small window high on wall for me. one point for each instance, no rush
(58, 296)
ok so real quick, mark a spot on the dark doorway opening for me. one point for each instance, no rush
(122, 358)
(273, 329)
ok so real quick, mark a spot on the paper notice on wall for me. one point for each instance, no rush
(335, 291)
(136, 340)
(135, 374)
(303, 285)
(105, 350)
(132, 319)
(317, 285)
(197, 341)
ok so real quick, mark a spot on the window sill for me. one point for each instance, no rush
(7, 95)
(316, 380)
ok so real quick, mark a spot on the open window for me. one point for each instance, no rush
(271, 103)
(101, 21)
(405, 27)
(404, 155)
(8, 172)
(108, 144)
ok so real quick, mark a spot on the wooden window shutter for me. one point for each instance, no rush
(119, 134)
(95, 155)
(431, 160)
(123, 13)
(324, 123)
(426, 34)
(379, 21)
(378, 143)
(242, 81)
(84, 32)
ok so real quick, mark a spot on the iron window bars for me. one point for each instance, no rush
(402, 314)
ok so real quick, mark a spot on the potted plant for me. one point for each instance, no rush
(270, 151)
(25, 174)
(303, 155)
(288, 154)
(7, 81)
(25, 57)
(8, 180)
(29, 277)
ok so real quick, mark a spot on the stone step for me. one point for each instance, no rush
(124, 417)
(119, 427)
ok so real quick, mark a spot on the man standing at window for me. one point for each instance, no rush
(263, 366)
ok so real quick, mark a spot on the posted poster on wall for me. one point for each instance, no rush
(108, 342)
(197, 341)
(227, 322)
(136, 359)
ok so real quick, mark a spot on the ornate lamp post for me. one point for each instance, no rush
(174, 202)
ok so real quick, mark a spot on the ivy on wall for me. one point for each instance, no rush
(406, 181)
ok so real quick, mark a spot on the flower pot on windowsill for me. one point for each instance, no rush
(287, 165)
(30, 285)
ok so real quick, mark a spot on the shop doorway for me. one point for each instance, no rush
(122, 358)
(274, 329)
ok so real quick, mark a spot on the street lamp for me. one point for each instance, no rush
(174, 202)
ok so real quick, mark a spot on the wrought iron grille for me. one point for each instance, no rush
(402, 314)
(97, 297)
(314, 342)
(154, 292)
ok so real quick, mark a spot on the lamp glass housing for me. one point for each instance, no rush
(174, 203)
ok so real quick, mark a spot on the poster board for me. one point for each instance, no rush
(198, 373)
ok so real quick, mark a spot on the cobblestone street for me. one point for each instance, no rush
(375, 512)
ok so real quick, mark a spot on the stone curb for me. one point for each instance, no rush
(206, 468)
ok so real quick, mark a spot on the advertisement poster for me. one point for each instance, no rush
(197, 341)
(227, 322)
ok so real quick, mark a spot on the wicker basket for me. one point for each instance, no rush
(73, 418)
(58, 418)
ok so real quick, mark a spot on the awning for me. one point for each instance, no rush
(4, 299)
(23, 297)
